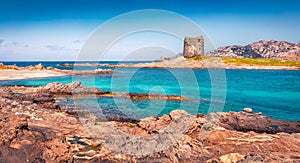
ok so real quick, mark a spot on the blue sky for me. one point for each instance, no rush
(56, 30)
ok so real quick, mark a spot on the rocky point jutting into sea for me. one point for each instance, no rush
(33, 128)
(266, 54)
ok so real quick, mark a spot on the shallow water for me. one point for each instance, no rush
(275, 93)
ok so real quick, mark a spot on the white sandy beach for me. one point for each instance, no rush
(26, 74)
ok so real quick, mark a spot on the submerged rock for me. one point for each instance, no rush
(139, 97)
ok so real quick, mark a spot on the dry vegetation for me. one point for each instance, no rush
(260, 62)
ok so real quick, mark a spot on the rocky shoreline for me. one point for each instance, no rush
(33, 128)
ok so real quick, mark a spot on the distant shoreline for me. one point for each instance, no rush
(13, 72)
(193, 63)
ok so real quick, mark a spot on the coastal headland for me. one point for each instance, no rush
(207, 62)
(264, 54)
(34, 128)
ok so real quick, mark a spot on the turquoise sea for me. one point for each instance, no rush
(275, 93)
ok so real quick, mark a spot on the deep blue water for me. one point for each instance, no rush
(275, 93)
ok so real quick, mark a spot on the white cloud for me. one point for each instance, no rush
(56, 48)
(78, 41)
(16, 50)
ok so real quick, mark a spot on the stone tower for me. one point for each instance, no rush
(193, 46)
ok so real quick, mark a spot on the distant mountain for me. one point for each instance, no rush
(261, 49)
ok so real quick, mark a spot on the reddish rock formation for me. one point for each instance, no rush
(34, 129)
(244, 121)
(23, 137)
(72, 88)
